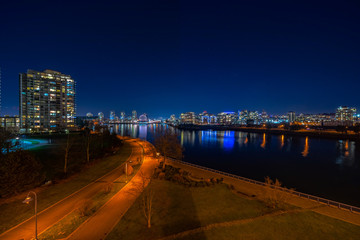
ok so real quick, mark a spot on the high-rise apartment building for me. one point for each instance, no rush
(344, 113)
(112, 115)
(101, 116)
(188, 118)
(134, 115)
(122, 115)
(47, 101)
(291, 116)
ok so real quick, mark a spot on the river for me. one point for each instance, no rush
(322, 167)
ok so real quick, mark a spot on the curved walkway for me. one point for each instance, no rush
(54, 213)
(104, 220)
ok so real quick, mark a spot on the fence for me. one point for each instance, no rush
(299, 194)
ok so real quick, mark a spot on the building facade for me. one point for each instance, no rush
(291, 116)
(344, 113)
(9, 123)
(134, 115)
(112, 115)
(188, 118)
(47, 101)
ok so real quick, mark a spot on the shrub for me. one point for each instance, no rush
(161, 175)
(84, 208)
(19, 171)
(108, 187)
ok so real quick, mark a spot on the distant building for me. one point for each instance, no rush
(134, 115)
(243, 117)
(188, 118)
(291, 116)
(226, 118)
(112, 115)
(10, 123)
(344, 113)
(264, 117)
(172, 118)
(101, 116)
(122, 116)
(89, 115)
(143, 118)
(47, 101)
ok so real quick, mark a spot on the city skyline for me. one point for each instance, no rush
(165, 58)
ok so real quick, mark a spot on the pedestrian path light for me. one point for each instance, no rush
(27, 200)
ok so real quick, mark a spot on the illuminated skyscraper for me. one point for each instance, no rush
(101, 116)
(47, 101)
(291, 116)
(134, 115)
(112, 115)
(122, 115)
(188, 118)
(344, 113)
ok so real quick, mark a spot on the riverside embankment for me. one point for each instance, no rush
(254, 189)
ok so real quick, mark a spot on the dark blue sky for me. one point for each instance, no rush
(164, 57)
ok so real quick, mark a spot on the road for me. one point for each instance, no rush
(104, 220)
(54, 213)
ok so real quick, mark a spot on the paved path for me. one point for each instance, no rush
(104, 220)
(54, 213)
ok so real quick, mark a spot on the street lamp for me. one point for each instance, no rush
(27, 200)
(126, 172)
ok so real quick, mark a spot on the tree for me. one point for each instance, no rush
(19, 171)
(6, 143)
(273, 194)
(87, 142)
(67, 148)
(147, 197)
(168, 145)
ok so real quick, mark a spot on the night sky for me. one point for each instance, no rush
(165, 57)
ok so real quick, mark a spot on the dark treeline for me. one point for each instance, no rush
(67, 154)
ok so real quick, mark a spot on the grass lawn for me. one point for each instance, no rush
(15, 212)
(71, 222)
(303, 226)
(178, 208)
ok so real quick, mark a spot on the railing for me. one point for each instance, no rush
(299, 194)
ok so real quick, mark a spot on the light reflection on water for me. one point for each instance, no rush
(225, 140)
(325, 167)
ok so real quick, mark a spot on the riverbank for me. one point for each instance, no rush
(328, 134)
(257, 192)
(182, 211)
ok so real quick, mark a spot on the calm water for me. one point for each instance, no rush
(326, 168)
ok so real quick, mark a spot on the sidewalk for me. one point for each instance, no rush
(104, 220)
(52, 214)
